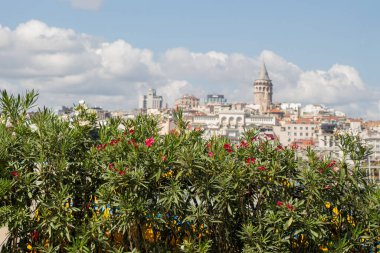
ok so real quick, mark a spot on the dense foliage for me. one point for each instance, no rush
(121, 187)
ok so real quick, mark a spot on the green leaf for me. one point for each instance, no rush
(288, 223)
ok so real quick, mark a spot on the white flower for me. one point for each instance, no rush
(33, 127)
(84, 123)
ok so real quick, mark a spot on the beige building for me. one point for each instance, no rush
(263, 90)
(290, 132)
(187, 102)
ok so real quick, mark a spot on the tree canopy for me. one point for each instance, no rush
(75, 186)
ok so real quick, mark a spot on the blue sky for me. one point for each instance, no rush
(312, 35)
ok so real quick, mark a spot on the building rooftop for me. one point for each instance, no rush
(263, 73)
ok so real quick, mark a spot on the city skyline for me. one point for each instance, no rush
(110, 53)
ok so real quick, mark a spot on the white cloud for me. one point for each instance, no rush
(5, 34)
(120, 59)
(66, 66)
(86, 4)
(339, 83)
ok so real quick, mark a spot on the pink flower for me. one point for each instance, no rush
(279, 203)
(210, 154)
(149, 142)
(131, 131)
(269, 136)
(122, 172)
(111, 166)
(261, 168)
(14, 173)
(243, 144)
(163, 158)
(34, 235)
(99, 147)
(289, 207)
(331, 164)
(228, 147)
(279, 148)
(335, 169)
(250, 160)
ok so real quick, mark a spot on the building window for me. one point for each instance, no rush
(306, 128)
(307, 134)
(295, 128)
(301, 128)
(301, 134)
(295, 134)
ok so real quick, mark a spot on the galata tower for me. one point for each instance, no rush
(263, 90)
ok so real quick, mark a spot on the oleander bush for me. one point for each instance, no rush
(73, 186)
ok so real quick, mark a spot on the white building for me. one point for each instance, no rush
(231, 123)
(151, 101)
(372, 139)
(289, 132)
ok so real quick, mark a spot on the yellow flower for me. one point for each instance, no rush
(286, 183)
(168, 174)
(336, 211)
(106, 213)
(324, 248)
(29, 247)
(350, 219)
(328, 205)
(38, 214)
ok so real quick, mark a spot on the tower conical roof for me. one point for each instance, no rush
(263, 73)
